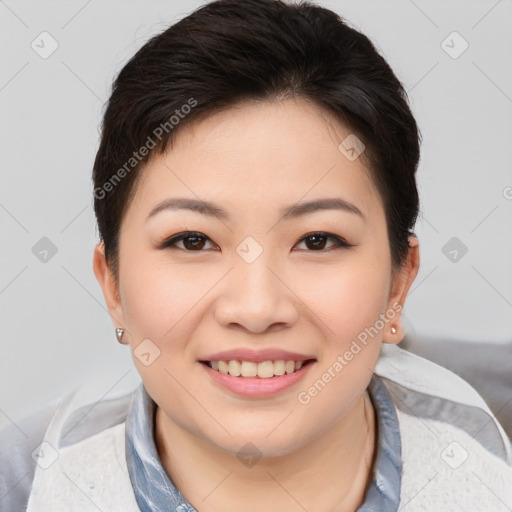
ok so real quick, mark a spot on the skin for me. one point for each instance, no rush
(253, 160)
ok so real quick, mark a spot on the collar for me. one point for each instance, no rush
(154, 490)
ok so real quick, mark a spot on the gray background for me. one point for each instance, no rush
(55, 329)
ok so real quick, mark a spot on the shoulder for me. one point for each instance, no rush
(454, 451)
(425, 390)
(20, 441)
(443, 464)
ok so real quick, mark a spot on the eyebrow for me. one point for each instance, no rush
(289, 212)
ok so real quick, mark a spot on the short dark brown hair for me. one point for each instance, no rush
(229, 51)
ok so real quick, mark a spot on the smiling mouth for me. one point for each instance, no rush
(263, 369)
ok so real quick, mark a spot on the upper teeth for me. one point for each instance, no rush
(265, 369)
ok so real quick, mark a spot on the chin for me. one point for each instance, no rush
(258, 443)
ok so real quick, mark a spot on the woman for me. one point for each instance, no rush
(255, 196)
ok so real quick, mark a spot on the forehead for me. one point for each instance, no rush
(258, 157)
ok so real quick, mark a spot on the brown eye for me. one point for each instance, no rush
(192, 242)
(195, 242)
(317, 241)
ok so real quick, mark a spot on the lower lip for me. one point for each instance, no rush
(257, 387)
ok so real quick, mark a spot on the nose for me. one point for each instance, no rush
(256, 298)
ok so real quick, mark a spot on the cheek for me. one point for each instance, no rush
(166, 305)
(350, 304)
(158, 300)
(161, 306)
(347, 299)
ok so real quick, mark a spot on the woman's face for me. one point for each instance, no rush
(254, 278)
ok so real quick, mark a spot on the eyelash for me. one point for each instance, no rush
(170, 242)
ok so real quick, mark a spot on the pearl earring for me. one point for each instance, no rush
(393, 330)
(119, 335)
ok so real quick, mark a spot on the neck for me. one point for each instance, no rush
(339, 462)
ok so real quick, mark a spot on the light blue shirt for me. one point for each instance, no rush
(154, 490)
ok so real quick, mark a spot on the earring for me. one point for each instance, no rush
(393, 329)
(119, 334)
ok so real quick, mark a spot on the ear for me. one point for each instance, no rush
(399, 289)
(109, 285)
